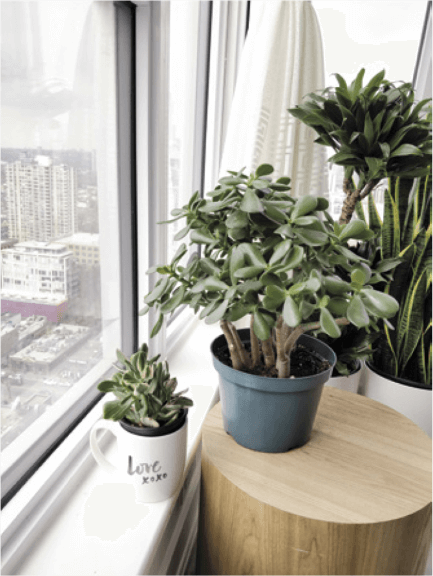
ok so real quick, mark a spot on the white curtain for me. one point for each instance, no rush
(282, 61)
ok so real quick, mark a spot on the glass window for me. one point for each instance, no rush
(58, 150)
(184, 30)
(371, 35)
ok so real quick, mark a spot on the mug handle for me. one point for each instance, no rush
(100, 458)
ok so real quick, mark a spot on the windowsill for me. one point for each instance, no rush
(95, 526)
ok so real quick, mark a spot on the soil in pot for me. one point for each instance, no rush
(303, 362)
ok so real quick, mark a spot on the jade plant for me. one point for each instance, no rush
(271, 257)
(377, 131)
(144, 391)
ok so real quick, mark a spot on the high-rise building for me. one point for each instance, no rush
(41, 199)
(38, 278)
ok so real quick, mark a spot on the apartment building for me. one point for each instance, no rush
(41, 199)
(85, 247)
(38, 278)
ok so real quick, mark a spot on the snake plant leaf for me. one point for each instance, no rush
(291, 313)
(359, 211)
(411, 322)
(356, 312)
(422, 364)
(250, 202)
(374, 220)
(390, 228)
(328, 324)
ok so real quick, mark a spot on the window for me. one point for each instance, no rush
(90, 119)
(373, 36)
(59, 148)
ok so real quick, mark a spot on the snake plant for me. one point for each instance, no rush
(144, 391)
(406, 233)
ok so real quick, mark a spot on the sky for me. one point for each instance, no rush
(41, 43)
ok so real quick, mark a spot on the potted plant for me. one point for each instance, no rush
(376, 130)
(272, 257)
(380, 131)
(399, 373)
(149, 421)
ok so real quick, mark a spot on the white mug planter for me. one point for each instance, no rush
(153, 463)
(349, 383)
(405, 396)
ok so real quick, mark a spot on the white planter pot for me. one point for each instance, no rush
(407, 398)
(349, 383)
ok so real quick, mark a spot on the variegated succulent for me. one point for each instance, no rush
(144, 391)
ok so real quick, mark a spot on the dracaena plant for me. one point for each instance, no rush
(144, 390)
(376, 131)
(273, 257)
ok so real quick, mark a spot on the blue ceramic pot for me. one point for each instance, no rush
(270, 414)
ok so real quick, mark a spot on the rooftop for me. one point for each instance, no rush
(50, 346)
(82, 238)
(37, 247)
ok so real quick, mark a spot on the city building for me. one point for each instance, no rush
(40, 199)
(45, 353)
(84, 247)
(9, 334)
(38, 279)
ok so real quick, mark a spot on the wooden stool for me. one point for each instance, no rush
(356, 499)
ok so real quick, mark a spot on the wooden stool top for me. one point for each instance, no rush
(364, 463)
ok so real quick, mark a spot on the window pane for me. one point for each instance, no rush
(59, 228)
(184, 28)
(371, 35)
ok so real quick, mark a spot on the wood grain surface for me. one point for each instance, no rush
(356, 499)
